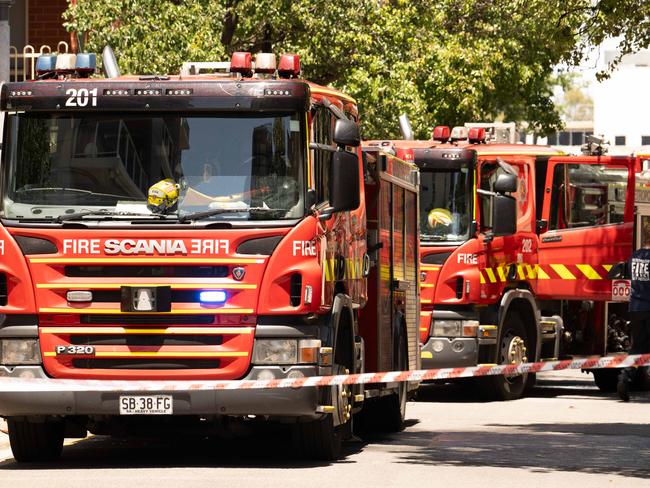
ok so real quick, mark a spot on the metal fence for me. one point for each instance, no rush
(22, 63)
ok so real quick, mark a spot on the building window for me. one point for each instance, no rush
(577, 138)
(552, 139)
(645, 140)
(565, 138)
(619, 141)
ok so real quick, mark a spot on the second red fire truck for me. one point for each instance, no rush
(516, 245)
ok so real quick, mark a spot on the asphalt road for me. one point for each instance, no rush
(566, 434)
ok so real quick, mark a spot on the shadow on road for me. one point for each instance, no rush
(468, 391)
(540, 448)
(268, 447)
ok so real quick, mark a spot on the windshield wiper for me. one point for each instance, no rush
(428, 237)
(71, 190)
(106, 213)
(217, 211)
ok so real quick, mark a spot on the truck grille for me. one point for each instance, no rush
(109, 271)
(3, 289)
(145, 364)
(180, 319)
(146, 340)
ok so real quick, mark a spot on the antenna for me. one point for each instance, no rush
(111, 69)
(405, 127)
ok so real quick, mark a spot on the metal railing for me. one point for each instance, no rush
(22, 64)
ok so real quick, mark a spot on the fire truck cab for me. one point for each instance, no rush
(198, 227)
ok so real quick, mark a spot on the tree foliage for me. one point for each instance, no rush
(439, 61)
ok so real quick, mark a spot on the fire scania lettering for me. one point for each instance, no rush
(148, 247)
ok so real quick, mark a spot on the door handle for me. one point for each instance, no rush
(553, 238)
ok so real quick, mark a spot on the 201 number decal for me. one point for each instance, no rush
(80, 97)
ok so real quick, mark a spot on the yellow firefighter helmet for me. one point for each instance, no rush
(163, 197)
(439, 216)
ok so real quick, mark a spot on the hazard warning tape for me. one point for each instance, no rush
(8, 385)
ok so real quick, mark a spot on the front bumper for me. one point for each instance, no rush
(445, 352)
(286, 402)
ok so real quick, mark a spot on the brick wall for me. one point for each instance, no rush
(45, 24)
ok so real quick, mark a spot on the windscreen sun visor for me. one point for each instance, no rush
(444, 158)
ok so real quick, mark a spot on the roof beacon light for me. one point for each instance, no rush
(289, 66)
(86, 64)
(46, 63)
(241, 62)
(476, 135)
(459, 133)
(265, 63)
(66, 63)
(441, 133)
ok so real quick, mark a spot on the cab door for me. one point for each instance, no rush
(586, 226)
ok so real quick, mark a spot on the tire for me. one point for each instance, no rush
(387, 414)
(320, 439)
(642, 379)
(606, 379)
(35, 442)
(392, 409)
(501, 387)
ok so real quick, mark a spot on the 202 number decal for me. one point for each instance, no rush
(79, 97)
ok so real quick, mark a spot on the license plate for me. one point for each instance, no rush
(146, 405)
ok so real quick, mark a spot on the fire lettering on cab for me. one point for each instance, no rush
(467, 258)
(304, 248)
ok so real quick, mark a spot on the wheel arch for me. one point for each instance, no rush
(342, 331)
(523, 302)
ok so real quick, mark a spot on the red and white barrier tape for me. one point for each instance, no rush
(38, 385)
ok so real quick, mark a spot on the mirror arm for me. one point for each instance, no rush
(325, 214)
(486, 193)
(322, 147)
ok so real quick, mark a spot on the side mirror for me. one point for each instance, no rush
(346, 133)
(506, 183)
(504, 215)
(617, 272)
(344, 182)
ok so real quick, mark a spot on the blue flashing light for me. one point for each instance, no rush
(86, 61)
(45, 63)
(212, 296)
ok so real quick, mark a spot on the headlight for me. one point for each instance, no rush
(447, 328)
(275, 351)
(286, 351)
(455, 328)
(20, 351)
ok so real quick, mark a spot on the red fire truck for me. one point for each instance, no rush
(199, 227)
(516, 245)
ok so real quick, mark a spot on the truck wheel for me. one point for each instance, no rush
(386, 414)
(321, 439)
(642, 379)
(35, 442)
(512, 350)
(606, 379)
(393, 407)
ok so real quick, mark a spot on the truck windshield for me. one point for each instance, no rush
(102, 165)
(444, 205)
